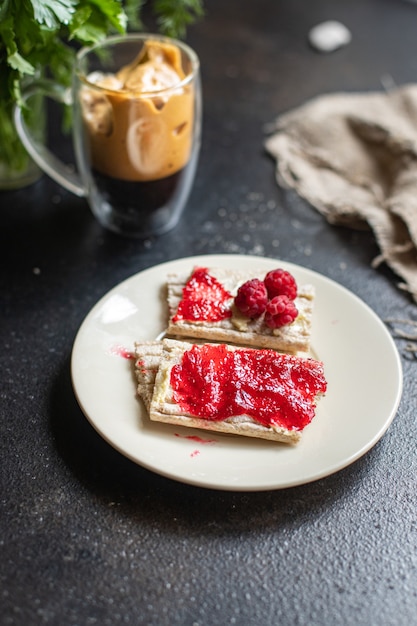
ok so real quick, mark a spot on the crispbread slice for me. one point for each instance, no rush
(162, 406)
(238, 329)
(148, 357)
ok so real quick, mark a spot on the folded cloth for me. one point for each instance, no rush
(354, 158)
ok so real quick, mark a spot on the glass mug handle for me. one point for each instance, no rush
(42, 156)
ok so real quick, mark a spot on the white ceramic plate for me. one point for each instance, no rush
(362, 367)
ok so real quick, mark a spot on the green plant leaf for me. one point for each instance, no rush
(17, 62)
(113, 11)
(94, 19)
(133, 9)
(173, 16)
(14, 59)
(53, 13)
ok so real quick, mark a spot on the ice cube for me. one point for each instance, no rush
(147, 145)
(97, 112)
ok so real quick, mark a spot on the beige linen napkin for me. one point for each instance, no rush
(354, 158)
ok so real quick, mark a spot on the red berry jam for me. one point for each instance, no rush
(121, 351)
(204, 299)
(215, 383)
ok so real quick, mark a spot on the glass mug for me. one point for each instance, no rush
(136, 106)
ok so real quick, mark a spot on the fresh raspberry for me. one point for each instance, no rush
(251, 298)
(280, 311)
(280, 283)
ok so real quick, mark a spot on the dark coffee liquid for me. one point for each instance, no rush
(144, 207)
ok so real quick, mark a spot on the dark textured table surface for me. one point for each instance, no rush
(89, 537)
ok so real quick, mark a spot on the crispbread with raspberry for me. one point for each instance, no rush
(232, 399)
(237, 328)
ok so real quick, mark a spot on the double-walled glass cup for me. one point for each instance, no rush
(136, 107)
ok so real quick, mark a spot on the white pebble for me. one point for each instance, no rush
(329, 36)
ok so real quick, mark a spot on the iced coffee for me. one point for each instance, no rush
(139, 132)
